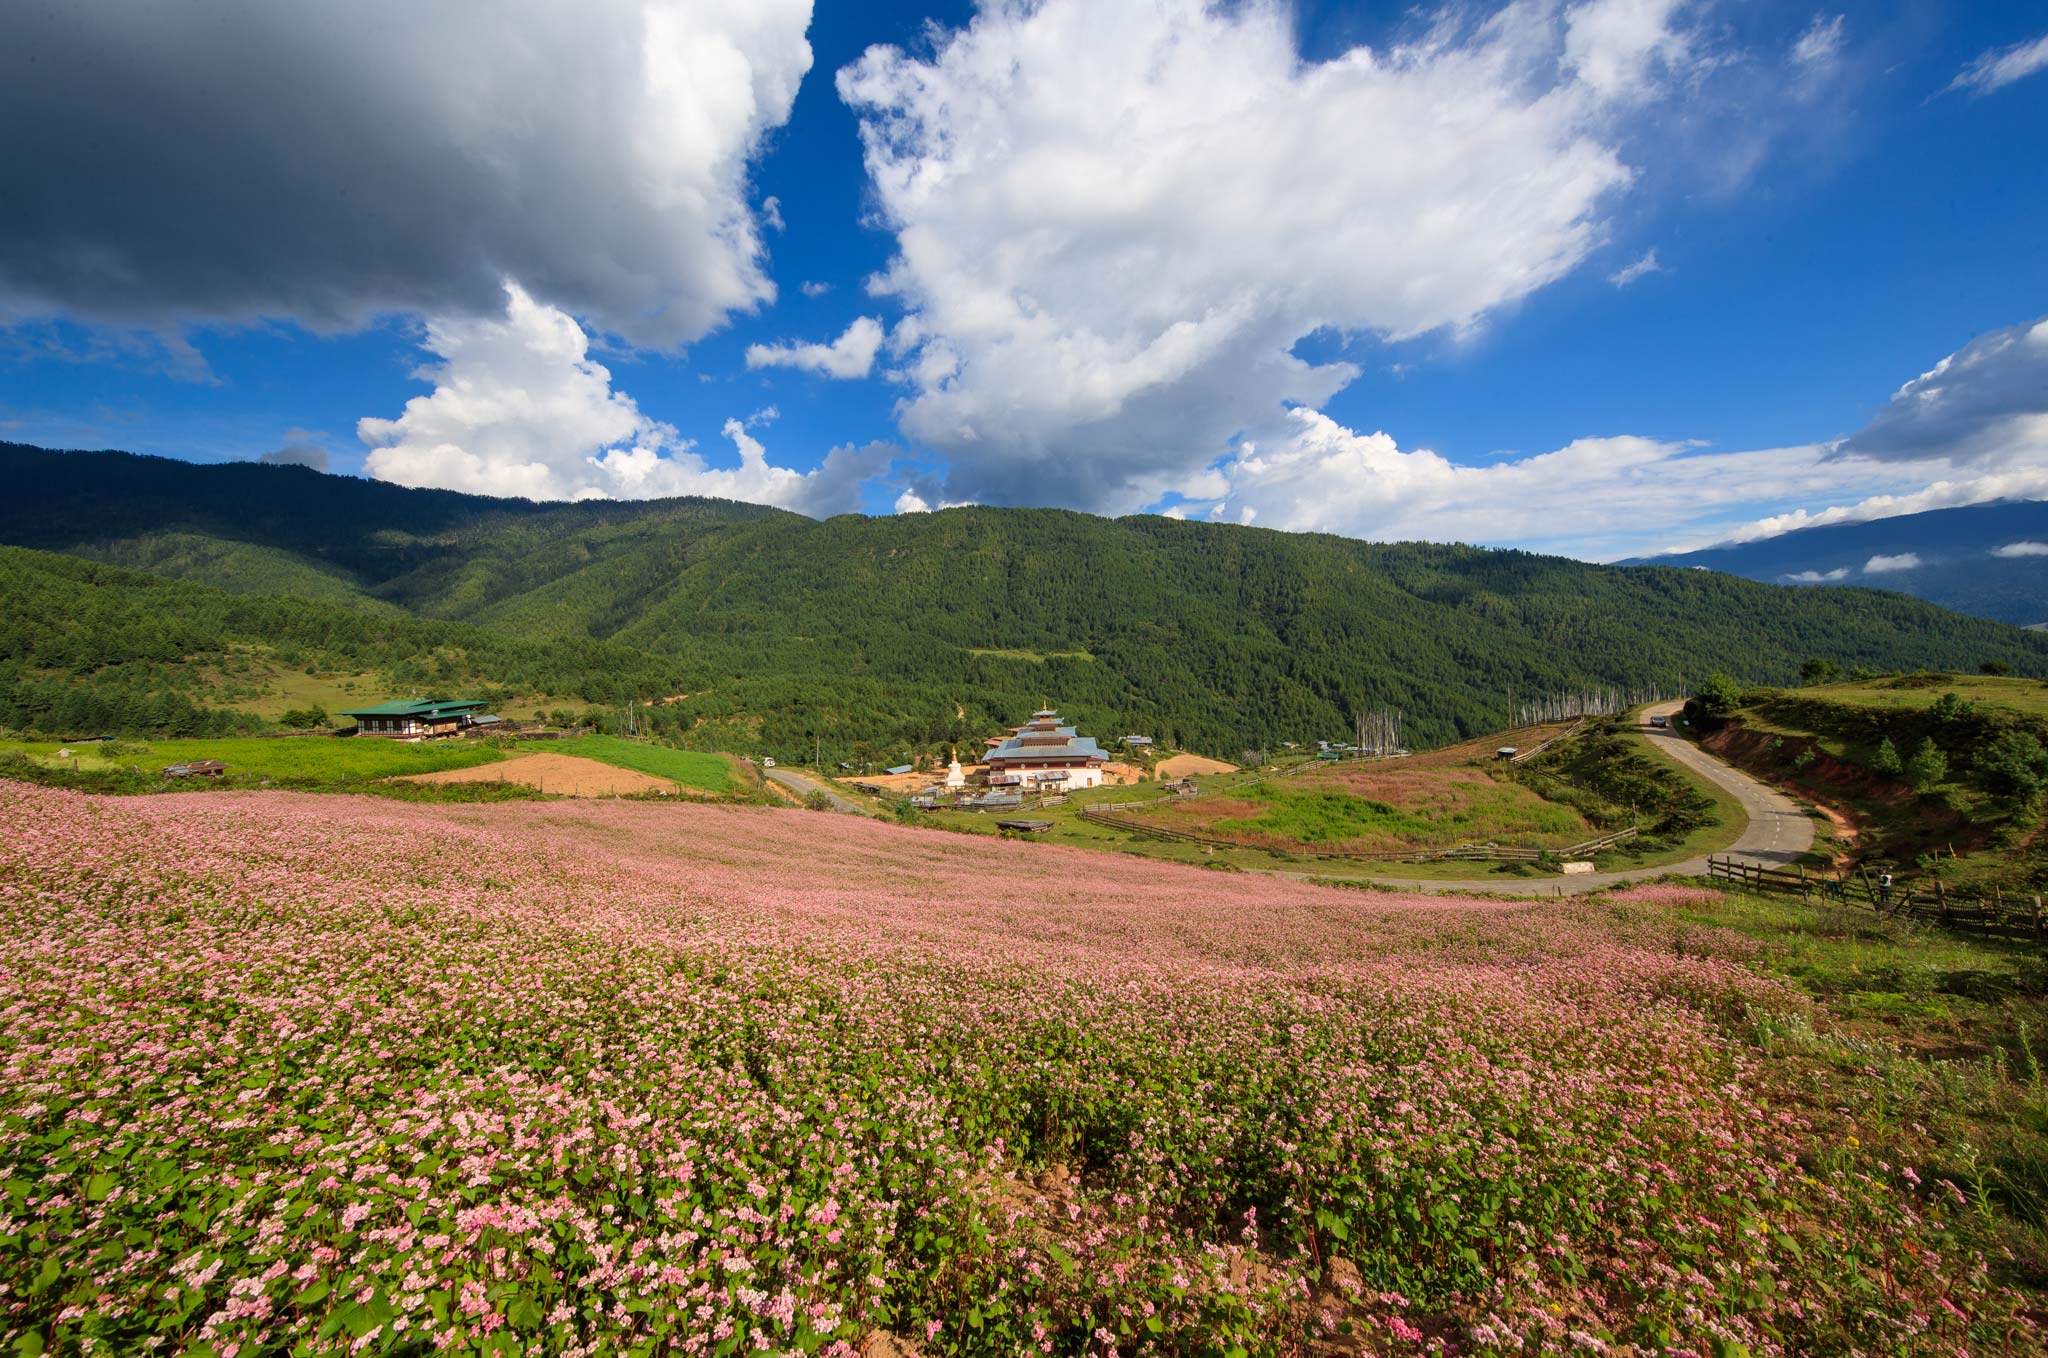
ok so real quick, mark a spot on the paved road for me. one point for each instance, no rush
(803, 785)
(1778, 834)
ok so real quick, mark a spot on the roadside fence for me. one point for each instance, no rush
(2016, 916)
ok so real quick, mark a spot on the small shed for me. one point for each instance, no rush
(1506, 752)
(1024, 827)
(900, 768)
(196, 768)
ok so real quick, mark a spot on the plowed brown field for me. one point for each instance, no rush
(559, 773)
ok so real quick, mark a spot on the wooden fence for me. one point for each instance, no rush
(2016, 916)
(1524, 756)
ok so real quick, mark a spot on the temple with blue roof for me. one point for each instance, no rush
(1043, 754)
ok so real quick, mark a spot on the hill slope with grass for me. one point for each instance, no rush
(1931, 775)
(873, 638)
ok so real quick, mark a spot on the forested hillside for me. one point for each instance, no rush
(887, 635)
(86, 648)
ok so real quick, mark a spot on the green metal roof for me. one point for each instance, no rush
(431, 707)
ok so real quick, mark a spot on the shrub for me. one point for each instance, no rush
(1950, 708)
(1718, 696)
(2014, 765)
(1819, 671)
(1927, 768)
(1886, 761)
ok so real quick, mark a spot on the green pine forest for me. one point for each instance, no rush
(132, 581)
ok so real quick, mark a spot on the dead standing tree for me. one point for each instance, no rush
(1592, 702)
(1379, 729)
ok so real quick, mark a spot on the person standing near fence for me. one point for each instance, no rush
(1884, 887)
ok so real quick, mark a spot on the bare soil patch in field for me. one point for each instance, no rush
(560, 773)
(914, 782)
(1182, 765)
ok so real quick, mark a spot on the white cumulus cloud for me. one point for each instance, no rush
(1816, 577)
(1595, 497)
(1884, 565)
(2020, 549)
(1969, 432)
(520, 408)
(852, 355)
(1985, 403)
(2020, 483)
(1114, 221)
(301, 448)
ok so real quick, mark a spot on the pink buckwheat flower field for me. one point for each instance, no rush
(289, 1074)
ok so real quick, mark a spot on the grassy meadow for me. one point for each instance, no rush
(1915, 692)
(312, 759)
(1934, 1045)
(691, 768)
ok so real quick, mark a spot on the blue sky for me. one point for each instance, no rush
(1348, 267)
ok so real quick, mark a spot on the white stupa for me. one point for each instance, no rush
(954, 776)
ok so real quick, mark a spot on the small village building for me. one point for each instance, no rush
(425, 719)
(196, 768)
(1046, 755)
(1135, 742)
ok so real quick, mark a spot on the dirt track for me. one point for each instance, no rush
(566, 774)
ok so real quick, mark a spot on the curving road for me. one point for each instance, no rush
(803, 785)
(1779, 832)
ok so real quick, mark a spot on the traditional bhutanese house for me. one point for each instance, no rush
(422, 720)
(1045, 754)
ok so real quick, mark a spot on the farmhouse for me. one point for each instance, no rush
(421, 720)
(1045, 754)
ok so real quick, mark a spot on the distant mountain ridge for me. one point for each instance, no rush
(905, 631)
(1951, 557)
